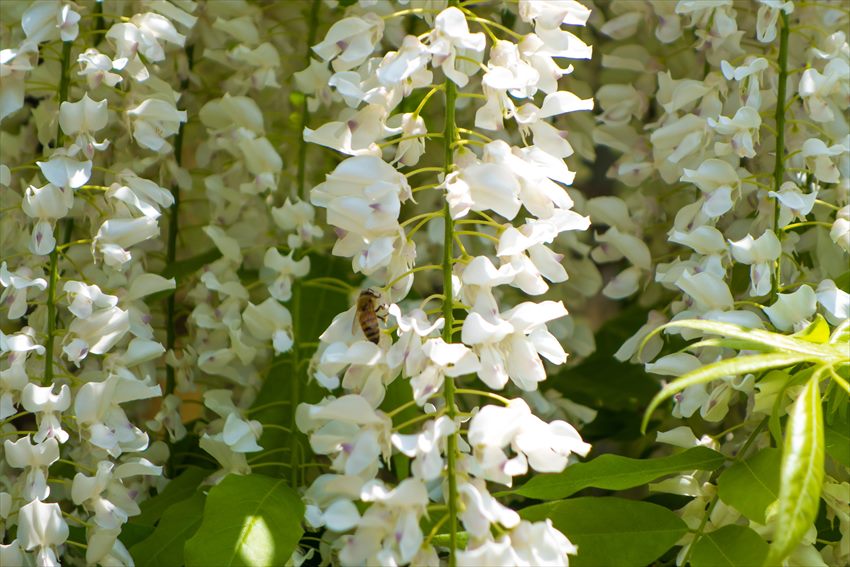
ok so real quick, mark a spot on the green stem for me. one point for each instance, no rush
(305, 111)
(295, 302)
(779, 164)
(171, 257)
(295, 382)
(99, 23)
(449, 133)
(53, 278)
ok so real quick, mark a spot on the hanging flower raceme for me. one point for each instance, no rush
(365, 198)
(82, 344)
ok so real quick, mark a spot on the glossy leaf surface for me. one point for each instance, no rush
(248, 520)
(729, 546)
(612, 531)
(165, 546)
(751, 485)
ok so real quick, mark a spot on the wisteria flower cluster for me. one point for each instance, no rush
(393, 282)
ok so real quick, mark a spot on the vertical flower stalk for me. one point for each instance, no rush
(779, 164)
(295, 451)
(171, 248)
(449, 138)
(53, 274)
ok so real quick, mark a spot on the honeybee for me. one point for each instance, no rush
(367, 314)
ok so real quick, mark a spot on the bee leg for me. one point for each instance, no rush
(381, 311)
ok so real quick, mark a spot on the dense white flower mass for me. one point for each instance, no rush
(516, 178)
(761, 185)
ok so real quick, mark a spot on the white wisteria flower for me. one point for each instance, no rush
(81, 119)
(35, 460)
(363, 197)
(509, 344)
(153, 121)
(48, 408)
(41, 527)
(451, 38)
(759, 253)
(18, 286)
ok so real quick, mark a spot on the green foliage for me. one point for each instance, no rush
(728, 367)
(248, 520)
(837, 438)
(166, 543)
(614, 472)
(751, 485)
(179, 489)
(612, 531)
(802, 472)
(732, 546)
(781, 351)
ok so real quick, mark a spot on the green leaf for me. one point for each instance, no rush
(750, 486)
(816, 332)
(165, 544)
(614, 472)
(133, 533)
(837, 439)
(802, 472)
(727, 367)
(178, 489)
(612, 531)
(781, 400)
(732, 546)
(180, 270)
(248, 520)
(841, 334)
(756, 339)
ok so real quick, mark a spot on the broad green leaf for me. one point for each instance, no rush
(165, 544)
(727, 367)
(179, 270)
(178, 489)
(248, 520)
(751, 485)
(612, 531)
(131, 533)
(802, 472)
(614, 472)
(837, 439)
(732, 546)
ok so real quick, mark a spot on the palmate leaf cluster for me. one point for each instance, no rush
(702, 417)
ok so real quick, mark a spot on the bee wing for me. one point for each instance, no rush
(355, 321)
